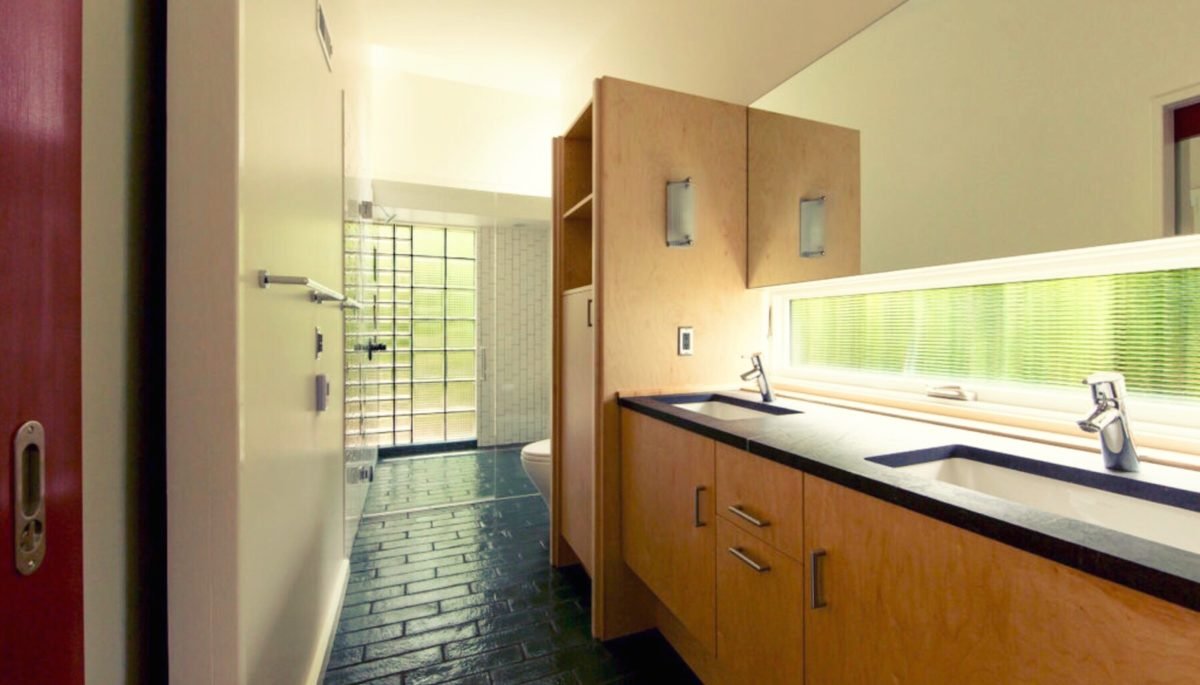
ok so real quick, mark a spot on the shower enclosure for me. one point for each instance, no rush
(448, 362)
(412, 350)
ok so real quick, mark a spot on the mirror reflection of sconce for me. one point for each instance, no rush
(681, 217)
(812, 227)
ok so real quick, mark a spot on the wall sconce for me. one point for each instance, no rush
(812, 227)
(681, 217)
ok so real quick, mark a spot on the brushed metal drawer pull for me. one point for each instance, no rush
(759, 568)
(816, 569)
(737, 509)
(699, 489)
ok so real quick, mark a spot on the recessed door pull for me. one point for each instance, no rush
(758, 568)
(29, 497)
(737, 510)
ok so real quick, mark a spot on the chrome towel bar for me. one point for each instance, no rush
(320, 293)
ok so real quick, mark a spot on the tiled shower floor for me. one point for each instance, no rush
(414, 482)
(465, 594)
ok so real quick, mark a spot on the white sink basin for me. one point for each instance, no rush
(724, 411)
(727, 407)
(1163, 523)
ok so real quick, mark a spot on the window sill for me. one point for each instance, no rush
(1158, 444)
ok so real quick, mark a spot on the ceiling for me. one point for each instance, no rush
(518, 45)
(734, 50)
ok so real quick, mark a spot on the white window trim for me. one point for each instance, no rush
(1176, 421)
(1159, 254)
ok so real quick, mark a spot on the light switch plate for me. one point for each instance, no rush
(687, 340)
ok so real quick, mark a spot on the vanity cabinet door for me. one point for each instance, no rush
(760, 610)
(667, 527)
(909, 599)
(906, 599)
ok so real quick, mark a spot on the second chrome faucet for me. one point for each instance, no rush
(1110, 421)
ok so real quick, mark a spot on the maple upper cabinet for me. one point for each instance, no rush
(668, 529)
(791, 160)
(909, 599)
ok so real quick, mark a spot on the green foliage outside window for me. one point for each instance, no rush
(1052, 332)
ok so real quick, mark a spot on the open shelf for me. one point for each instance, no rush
(581, 210)
(577, 253)
(582, 128)
(575, 196)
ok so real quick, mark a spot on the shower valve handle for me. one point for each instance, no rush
(371, 349)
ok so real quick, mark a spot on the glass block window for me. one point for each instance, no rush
(1051, 332)
(417, 286)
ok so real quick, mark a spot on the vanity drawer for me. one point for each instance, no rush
(762, 498)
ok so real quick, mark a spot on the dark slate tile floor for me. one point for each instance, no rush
(465, 594)
(413, 482)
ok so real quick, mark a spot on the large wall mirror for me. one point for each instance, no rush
(993, 128)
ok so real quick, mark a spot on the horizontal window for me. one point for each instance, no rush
(1022, 332)
(1052, 332)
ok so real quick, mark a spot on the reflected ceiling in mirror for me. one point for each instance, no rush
(1003, 127)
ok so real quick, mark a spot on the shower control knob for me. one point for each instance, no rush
(371, 349)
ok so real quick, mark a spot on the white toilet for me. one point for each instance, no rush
(535, 459)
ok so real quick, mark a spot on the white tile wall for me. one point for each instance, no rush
(515, 330)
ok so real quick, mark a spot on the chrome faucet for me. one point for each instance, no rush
(1110, 421)
(758, 373)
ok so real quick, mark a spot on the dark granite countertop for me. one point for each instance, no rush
(835, 444)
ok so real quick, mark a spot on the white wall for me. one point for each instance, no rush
(442, 133)
(290, 533)
(1003, 127)
(114, 127)
(256, 565)
(203, 287)
(724, 49)
(454, 206)
(515, 310)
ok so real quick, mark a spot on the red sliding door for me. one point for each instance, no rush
(41, 542)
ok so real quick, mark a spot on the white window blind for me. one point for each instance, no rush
(1048, 332)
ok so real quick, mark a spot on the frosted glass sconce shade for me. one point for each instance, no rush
(812, 227)
(681, 217)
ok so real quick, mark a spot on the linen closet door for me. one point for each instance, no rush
(579, 419)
